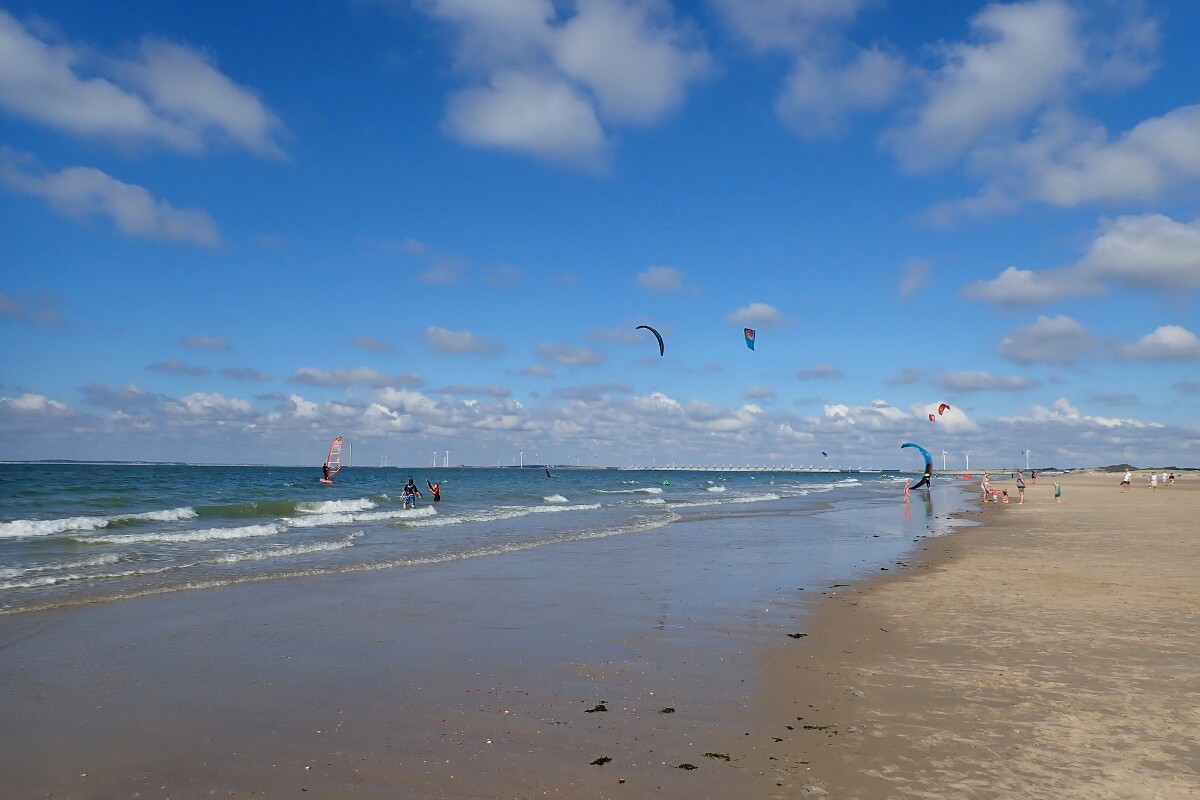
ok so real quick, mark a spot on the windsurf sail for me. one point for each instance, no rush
(749, 337)
(334, 460)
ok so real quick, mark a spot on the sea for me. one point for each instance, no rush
(75, 534)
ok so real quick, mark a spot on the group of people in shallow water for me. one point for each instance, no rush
(411, 492)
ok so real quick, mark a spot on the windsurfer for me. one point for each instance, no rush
(325, 470)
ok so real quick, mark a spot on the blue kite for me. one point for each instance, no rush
(928, 464)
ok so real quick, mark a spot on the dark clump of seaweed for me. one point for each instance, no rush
(601, 761)
(598, 707)
(724, 756)
(667, 710)
(688, 766)
(797, 635)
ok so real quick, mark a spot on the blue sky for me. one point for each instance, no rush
(231, 231)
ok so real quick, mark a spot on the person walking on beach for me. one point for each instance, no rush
(986, 486)
(1020, 489)
(1126, 481)
(1057, 493)
(906, 483)
(1153, 482)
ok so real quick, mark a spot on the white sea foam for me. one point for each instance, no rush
(654, 501)
(715, 489)
(404, 513)
(336, 506)
(284, 552)
(317, 520)
(646, 489)
(494, 514)
(170, 515)
(21, 528)
(556, 498)
(724, 501)
(183, 537)
(96, 561)
(24, 528)
(40, 581)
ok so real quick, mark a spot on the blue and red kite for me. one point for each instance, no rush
(749, 337)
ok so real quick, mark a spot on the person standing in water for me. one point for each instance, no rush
(411, 493)
(325, 471)
(435, 489)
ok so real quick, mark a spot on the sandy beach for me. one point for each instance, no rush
(1053, 650)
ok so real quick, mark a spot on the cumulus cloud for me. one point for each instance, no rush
(758, 315)
(358, 376)
(1048, 340)
(1022, 57)
(167, 94)
(547, 83)
(34, 405)
(821, 91)
(84, 192)
(592, 392)
(245, 374)
(374, 344)
(128, 398)
(489, 391)
(205, 342)
(819, 372)
(830, 78)
(759, 393)
(1148, 252)
(1067, 161)
(179, 368)
(447, 342)
(661, 279)
(905, 377)
(201, 405)
(43, 309)
(568, 356)
(1166, 343)
(914, 275)
(978, 381)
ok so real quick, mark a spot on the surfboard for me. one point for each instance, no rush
(325, 480)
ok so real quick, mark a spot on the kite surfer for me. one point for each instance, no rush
(436, 489)
(411, 493)
(548, 475)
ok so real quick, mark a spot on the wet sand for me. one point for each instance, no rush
(1052, 651)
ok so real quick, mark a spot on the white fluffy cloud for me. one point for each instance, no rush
(661, 279)
(978, 381)
(1148, 252)
(565, 355)
(357, 376)
(546, 84)
(446, 342)
(1048, 340)
(84, 192)
(1165, 343)
(168, 94)
(760, 315)
(1022, 57)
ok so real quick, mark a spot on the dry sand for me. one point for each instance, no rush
(1052, 652)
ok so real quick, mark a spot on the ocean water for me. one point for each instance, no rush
(72, 534)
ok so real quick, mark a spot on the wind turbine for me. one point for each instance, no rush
(943, 461)
(968, 455)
